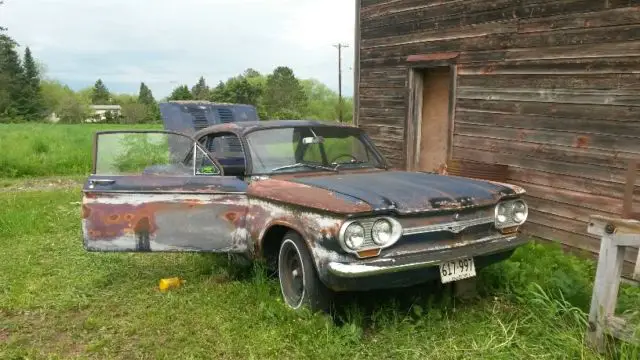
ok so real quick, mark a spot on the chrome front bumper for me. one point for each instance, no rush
(429, 258)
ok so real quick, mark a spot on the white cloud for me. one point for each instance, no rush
(164, 42)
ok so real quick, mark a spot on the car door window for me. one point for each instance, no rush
(150, 153)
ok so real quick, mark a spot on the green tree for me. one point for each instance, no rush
(145, 97)
(53, 94)
(251, 73)
(220, 93)
(13, 91)
(181, 93)
(135, 113)
(238, 90)
(5, 96)
(34, 106)
(72, 109)
(100, 94)
(123, 99)
(200, 91)
(284, 96)
(323, 102)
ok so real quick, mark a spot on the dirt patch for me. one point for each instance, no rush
(42, 184)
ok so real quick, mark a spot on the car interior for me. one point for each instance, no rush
(227, 150)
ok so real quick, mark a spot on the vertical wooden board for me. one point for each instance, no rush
(605, 290)
(414, 107)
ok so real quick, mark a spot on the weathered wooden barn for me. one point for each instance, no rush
(549, 88)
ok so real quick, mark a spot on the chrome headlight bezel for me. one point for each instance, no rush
(506, 210)
(369, 243)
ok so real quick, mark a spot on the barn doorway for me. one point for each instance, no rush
(430, 114)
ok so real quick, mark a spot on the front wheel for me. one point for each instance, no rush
(299, 281)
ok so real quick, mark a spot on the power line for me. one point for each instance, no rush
(339, 47)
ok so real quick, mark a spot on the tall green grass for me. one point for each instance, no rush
(35, 150)
(58, 301)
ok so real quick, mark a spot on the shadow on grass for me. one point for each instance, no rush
(364, 307)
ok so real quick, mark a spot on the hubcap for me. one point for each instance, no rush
(291, 275)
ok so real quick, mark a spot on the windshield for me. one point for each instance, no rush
(309, 149)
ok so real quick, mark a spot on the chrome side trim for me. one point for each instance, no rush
(454, 227)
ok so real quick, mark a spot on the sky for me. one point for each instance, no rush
(166, 43)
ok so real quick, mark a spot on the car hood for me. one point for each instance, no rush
(412, 192)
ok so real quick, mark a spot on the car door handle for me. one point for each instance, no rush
(101, 182)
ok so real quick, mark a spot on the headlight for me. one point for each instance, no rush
(520, 211)
(511, 213)
(381, 232)
(362, 236)
(501, 214)
(354, 236)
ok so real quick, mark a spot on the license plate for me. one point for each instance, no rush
(455, 270)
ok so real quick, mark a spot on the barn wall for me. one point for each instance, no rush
(550, 88)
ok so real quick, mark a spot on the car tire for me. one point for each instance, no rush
(299, 282)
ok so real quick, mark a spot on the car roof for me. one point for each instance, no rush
(245, 127)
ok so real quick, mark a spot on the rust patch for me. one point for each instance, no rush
(109, 221)
(582, 142)
(231, 217)
(522, 135)
(193, 202)
(114, 220)
(307, 196)
(488, 70)
(331, 231)
(86, 212)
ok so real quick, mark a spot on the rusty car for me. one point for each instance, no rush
(314, 200)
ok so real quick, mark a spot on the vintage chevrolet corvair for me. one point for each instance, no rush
(314, 200)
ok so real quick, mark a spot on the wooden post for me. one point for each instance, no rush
(617, 235)
(605, 290)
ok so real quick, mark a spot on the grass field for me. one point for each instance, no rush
(28, 150)
(58, 301)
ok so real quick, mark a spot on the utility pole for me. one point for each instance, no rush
(339, 47)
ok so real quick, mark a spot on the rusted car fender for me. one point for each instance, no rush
(314, 213)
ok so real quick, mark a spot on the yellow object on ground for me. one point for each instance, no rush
(171, 283)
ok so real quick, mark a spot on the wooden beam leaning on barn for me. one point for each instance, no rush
(616, 235)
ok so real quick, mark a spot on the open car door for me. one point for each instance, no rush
(160, 191)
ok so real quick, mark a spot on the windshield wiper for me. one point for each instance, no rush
(313, 166)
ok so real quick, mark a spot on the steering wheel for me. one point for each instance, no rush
(341, 156)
